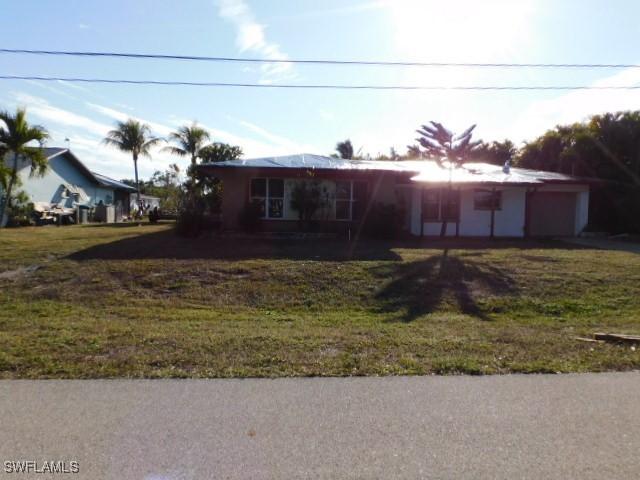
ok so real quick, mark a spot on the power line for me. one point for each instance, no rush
(316, 62)
(319, 86)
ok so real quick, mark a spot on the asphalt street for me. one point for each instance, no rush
(516, 426)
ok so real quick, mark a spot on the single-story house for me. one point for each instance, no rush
(486, 200)
(68, 183)
(149, 202)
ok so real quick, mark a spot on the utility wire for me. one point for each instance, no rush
(318, 86)
(315, 62)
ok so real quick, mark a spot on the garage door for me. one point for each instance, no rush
(552, 214)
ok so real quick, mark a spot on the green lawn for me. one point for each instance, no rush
(138, 301)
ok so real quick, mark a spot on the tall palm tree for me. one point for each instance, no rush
(345, 149)
(448, 150)
(15, 137)
(189, 139)
(135, 138)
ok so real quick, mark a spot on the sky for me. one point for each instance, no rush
(269, 122)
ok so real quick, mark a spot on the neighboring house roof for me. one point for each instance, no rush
(423, 171)
(52, 152)
(110, 182)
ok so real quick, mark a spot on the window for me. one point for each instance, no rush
(431, 205)
(351, 199)
(269, 194)
(441, 204)
(487, 200)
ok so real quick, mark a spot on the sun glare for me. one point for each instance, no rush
(459, 30)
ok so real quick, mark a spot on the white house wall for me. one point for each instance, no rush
(61, 172)
(582, 211)
(508, 222)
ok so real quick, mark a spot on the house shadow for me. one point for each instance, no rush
(166, 244)
(421, 287)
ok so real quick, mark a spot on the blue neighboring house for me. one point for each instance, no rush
(68, 183)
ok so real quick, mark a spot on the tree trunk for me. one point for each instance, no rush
(443, 211)
(7, 198)
(443, 228)
(135, 168)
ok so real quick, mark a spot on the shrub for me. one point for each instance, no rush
(190, 223)
(21, 213)
(250, 217)
(384, 221)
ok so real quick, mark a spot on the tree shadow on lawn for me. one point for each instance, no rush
(420, 287)
(166, 244)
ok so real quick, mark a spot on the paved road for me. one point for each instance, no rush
(565, 426)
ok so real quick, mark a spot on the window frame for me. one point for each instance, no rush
(440, 217)
(267, 198)
(351, 200)
(496, 205)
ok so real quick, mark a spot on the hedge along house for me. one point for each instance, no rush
(68, 183)
(485, 201)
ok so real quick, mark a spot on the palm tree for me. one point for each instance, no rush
(189, 139)
(135, 138)
(448, 150)
(345, 149)
(14, 139)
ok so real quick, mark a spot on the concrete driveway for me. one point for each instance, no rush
(538, 426)
(605, 244)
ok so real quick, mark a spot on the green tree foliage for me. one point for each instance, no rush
(607, 147)
(307, 197)
(345, 149)
(202, 193)
(447, 150)
(135, 138)
(496, 153)
(219, 152)
(16, 140)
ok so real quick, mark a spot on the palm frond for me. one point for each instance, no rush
(174, 150)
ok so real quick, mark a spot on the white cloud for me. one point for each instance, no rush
(43, 110)
(251, 147)
(157, 128)
(281, 142)
(578, 105)
(250, 36)
(332, 12)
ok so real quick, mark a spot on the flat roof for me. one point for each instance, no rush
(422, 171)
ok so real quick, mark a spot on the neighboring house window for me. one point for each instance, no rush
(487, 199)
(351, 199)
(269, 194)
(108, 199)
(436, 208)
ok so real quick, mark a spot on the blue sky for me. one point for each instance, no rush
(272, 122)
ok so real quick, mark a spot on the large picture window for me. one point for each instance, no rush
(441, 204)
(487, 199)
(351, 199)
(269, 194)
